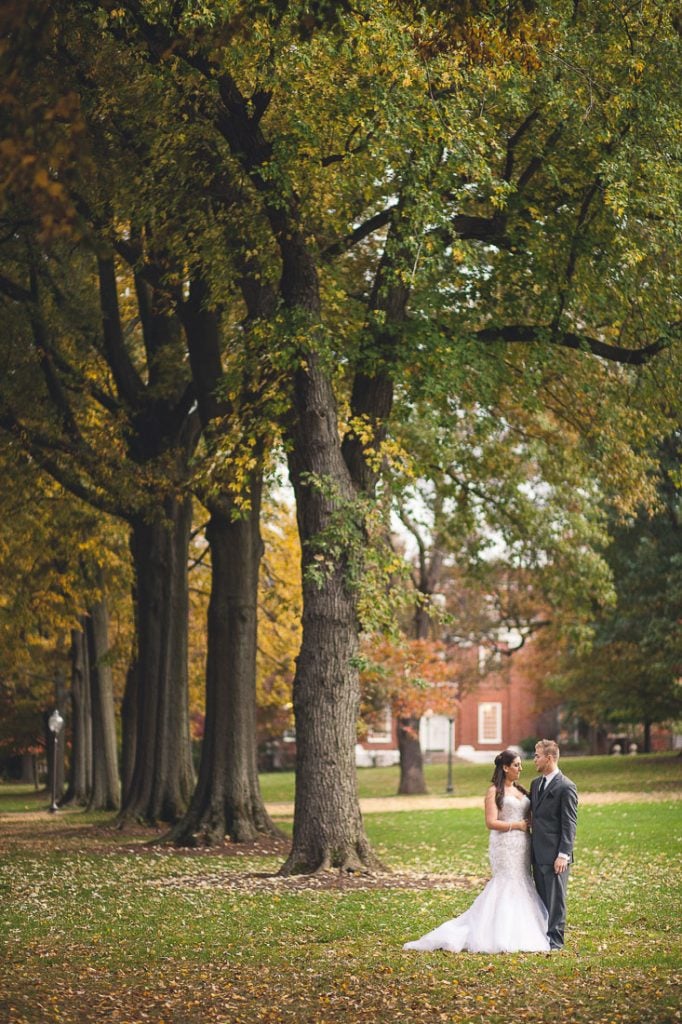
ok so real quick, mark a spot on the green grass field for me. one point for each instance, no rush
(99, 927)
(645, 772)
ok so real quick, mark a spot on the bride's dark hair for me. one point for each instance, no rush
(503, 761)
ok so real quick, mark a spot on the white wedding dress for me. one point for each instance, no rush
(508, 916)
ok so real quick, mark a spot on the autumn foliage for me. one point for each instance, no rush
(410, 676)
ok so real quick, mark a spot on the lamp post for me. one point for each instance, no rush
(55, 724)
(450, 788)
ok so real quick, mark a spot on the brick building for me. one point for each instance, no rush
(499, 707)
(501, 710)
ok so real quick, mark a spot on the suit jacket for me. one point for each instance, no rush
(555, 816)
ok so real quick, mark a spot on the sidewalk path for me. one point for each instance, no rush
(382, 805)
(391, 804)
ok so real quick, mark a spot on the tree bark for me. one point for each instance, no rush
(597, 739)
(647, 738)
(129, 722)
(162, 777)
(94, 781)
(328, 827)
(28, 770)
(372, 400)
(80, 774)
(412, 781)
(105, 793)
(227, 800)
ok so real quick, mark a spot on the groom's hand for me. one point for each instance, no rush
(560, 865)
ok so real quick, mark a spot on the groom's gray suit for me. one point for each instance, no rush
(555, 814)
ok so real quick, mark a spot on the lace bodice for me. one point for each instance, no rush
(510, 851)
(514, 808)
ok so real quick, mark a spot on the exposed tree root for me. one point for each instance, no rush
(211, 829)
(358, 860)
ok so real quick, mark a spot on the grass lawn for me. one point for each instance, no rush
(98, 927)
(644, 773)
(591, 775)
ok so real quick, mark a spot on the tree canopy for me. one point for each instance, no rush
(300, 221)
(630, 675)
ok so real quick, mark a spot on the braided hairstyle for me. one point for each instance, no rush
(503, 760)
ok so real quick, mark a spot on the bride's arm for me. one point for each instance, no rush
(492, 819)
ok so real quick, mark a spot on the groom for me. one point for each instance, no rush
(554, 807)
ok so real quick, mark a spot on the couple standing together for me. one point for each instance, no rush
(517, 911)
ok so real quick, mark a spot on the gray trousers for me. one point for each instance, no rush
(552, 891)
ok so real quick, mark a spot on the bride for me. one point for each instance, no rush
(508, 916)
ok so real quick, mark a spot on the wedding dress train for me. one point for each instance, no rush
(508, 916)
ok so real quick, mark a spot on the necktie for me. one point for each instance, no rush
(543, 783)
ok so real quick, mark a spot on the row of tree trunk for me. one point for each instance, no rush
(328, 474)
(94, 780)
(156, 772)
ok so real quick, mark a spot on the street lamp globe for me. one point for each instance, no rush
(55, 723)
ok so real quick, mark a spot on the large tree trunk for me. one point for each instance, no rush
(227, 800)
(28, 770)
(598, 739)
(129, 723)
(80, 774)
(105, 793)
(162, 777)
(94, 780)
(328, 827)
(647, 738)
(412, 781)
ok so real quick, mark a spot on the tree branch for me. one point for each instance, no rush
(530, 629)
(128, 383)
(475, 229)
(411, 526)
(53, 383)
(13, 290)
(336, 158)
(514, 140)
(76, 382)
(374, 223)
(537, 162)
(527, 334)
(22, 295)
(70, 481)
(573, 252)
